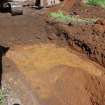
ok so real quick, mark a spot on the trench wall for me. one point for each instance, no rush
(86, 39)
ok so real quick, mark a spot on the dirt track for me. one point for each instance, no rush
(42, 69)
(21, 29)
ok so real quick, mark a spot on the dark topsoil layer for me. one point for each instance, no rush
(89, 39)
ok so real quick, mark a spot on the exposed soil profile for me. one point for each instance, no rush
(88, 39)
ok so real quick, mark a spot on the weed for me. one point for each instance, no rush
(61, 17)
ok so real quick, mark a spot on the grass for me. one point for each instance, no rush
(100, 3)
(61, 17)
(3, 95)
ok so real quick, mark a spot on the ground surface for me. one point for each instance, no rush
(41, 69)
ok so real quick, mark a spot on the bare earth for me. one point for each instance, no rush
(43, 70)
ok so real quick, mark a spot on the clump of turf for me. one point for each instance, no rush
(100, 3)
(61, 17)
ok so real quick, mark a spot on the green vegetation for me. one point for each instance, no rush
(61, 17)
(3, 95)
(97, 3)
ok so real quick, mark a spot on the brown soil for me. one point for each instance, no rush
(65, 5)
(86, 38)
(48, 74)
(83, 10)
(42, 68)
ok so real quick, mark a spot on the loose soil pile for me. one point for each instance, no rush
(88, 39)
(65, 5)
